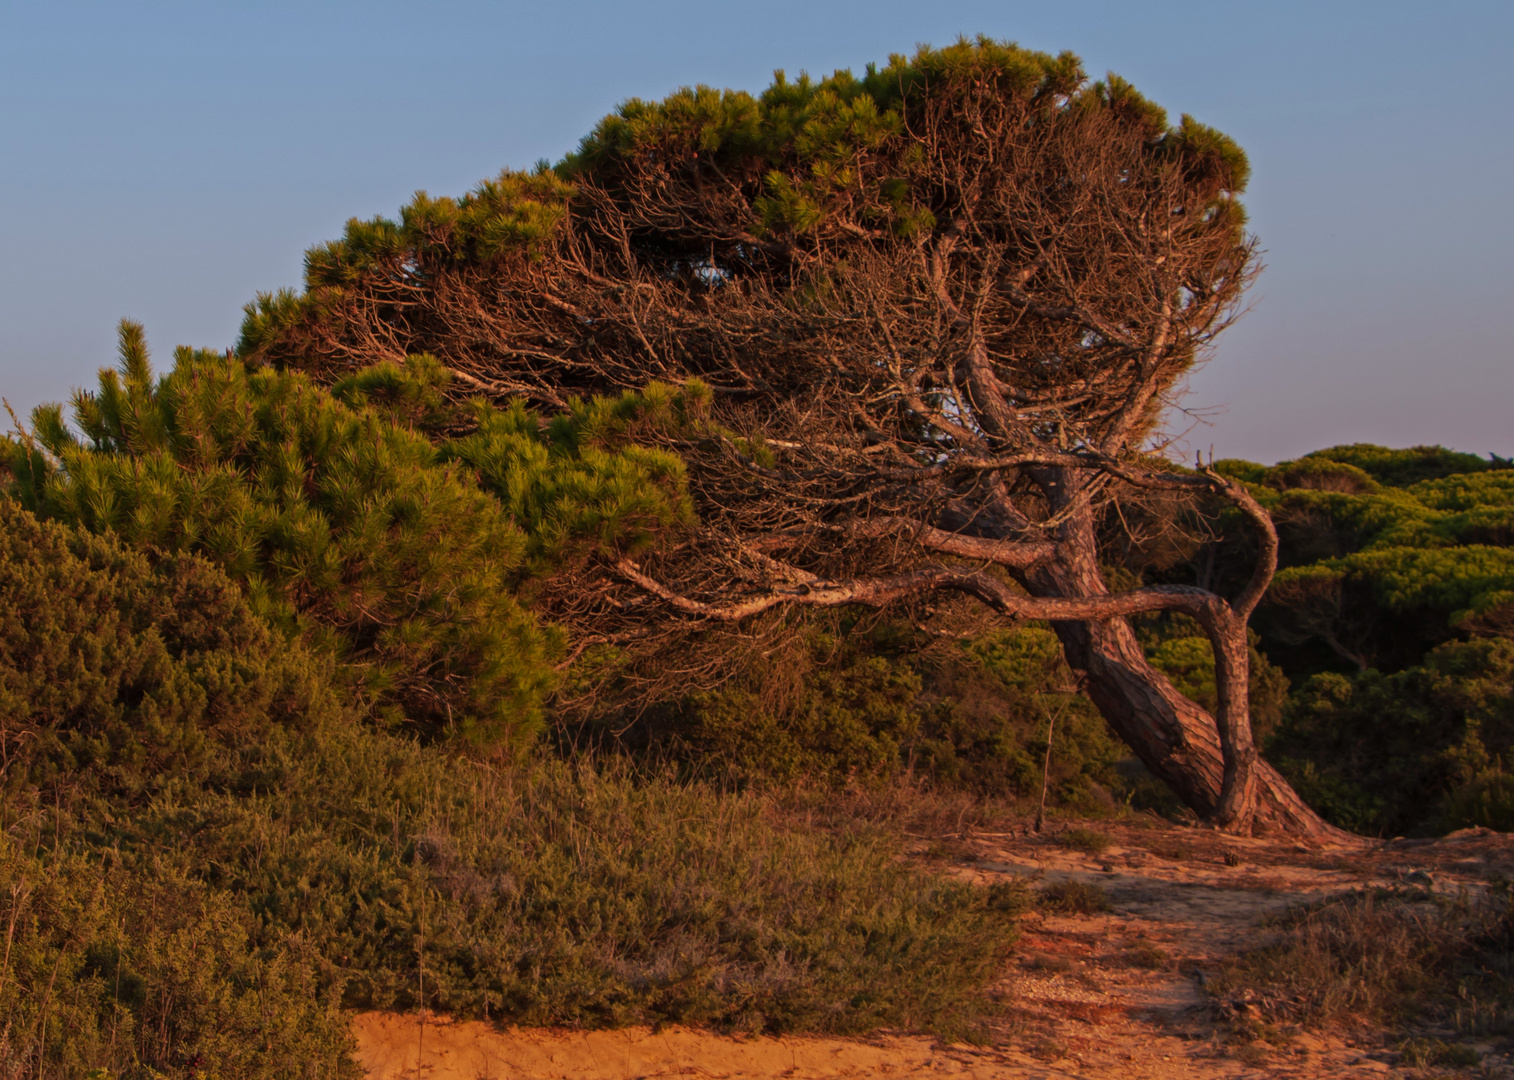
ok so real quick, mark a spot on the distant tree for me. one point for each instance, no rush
(1428, 748)
(1385, 553)
(943, 308)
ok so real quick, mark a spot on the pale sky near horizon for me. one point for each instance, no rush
(164, 161)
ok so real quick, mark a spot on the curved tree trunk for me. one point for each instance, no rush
(1178, 742)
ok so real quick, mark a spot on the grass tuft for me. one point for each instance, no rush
(1421, 1053)
(1090, 841)
(1146, 956)
(1073, 898)
(1385, 958)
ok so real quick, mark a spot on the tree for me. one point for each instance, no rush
(943, 309)
(401, 555)
(1424, 749)
(1384, 554)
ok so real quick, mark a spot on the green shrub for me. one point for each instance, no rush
(1074, 898)
(1090, 841)
(144, 971)
(206, 853)
(1416, 750)
(125, 666)
(1400, 468)
(120, 679)
(342, 522)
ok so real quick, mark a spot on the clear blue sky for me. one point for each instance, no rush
(164, 161)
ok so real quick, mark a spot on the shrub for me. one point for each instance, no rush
(1074, 898)
(344, 523)
(205, 853)
(1145, 956)
(1090, 841)
(111, 662)
(119, 680)
(147, 972)
(1403, 960)
(1415, 750)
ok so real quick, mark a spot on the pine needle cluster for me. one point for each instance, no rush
(400, 553)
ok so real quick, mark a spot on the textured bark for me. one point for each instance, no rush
(1210, 763)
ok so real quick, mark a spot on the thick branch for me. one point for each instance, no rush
(879, 592)
(1266, 533)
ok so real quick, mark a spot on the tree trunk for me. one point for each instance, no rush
(1177, 741)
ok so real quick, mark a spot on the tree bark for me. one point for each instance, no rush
(1210, 763)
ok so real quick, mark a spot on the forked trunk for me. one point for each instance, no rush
(1177, 741)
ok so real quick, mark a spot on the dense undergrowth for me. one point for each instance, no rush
(205, 854)
(1391, 616)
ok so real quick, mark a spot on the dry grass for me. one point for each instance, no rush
(1073, 898)
(1401, 960)
(1089, 841)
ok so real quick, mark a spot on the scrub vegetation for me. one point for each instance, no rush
(507, 624)
(206, 853)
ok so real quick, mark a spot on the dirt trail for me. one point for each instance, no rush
(1091, 997)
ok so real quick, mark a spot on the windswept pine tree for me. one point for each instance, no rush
(943, 307)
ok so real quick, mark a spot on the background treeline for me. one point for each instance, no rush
(1393, 617)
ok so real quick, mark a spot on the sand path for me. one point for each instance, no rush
(1090, 997)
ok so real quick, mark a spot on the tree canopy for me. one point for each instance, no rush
(1385, 554)
(942, 308)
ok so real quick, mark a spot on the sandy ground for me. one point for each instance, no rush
(1096, 997)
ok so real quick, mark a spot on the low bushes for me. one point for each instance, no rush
(1403, 960)
(1422, 749)
(401, 554)
(205, 853)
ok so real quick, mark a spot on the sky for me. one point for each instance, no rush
(166, 161)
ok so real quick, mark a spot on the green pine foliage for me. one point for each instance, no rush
(805, 160)
(1400, 468)
(825, 150)
(1430, 747)
(205, 855)
(135, 674)
(582, 483)
(1393, 615)
(401, 554)
(1385, 553)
